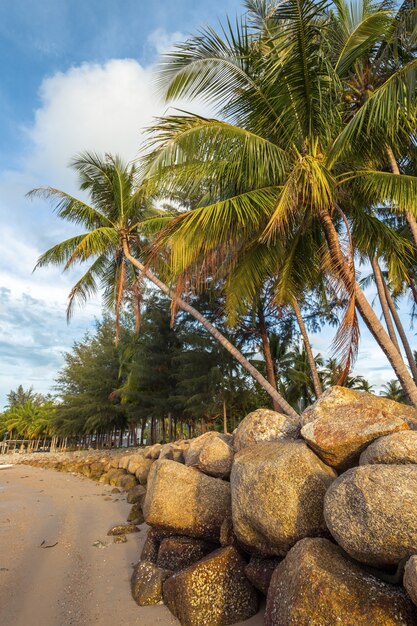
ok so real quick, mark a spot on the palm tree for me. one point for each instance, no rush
(114, 241)
(280, 161)
(393, 391)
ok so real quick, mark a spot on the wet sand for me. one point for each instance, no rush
(73, 583)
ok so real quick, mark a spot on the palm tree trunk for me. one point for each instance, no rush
(224, 417)
(310, 356)
(379, 281)
(401, 332)
(368, 315)
(269, 362)
(185, 306)
(412, 223)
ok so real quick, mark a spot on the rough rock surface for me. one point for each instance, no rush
(337, 397)
(315, 585)
(371, 511)
(192, 453)
(146, 583)
(264, 425)
(123, 529)
(213, 591)
(126, 482)
(183, 500)
(259, 571)
(277, 496)
(397, 449)
(142, 470)
(340, 435)
(177, 553)
(153, 452)
(113, 475)
(151, 546)
(410, 578)
(136, 495)
(174, 451)
(216, 458)
(136, 514)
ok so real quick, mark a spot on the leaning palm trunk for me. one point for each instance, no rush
(411, 221)
(401, 332)
(269, 362)
(368, 315)
(185, 306)
(312, 363)
(383, 301)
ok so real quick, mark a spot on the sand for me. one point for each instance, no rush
(73, 583)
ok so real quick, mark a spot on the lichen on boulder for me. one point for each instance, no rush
(213, 591)
(146, 583)
(264, 425)
(371, 512)
(315, 585)
(278, 491)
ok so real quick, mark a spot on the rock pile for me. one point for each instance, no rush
(319, 516)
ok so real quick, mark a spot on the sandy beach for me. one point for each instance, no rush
(74, 582)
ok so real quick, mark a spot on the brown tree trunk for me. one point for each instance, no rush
(368, 315)
(224, 417)
(269, 362)
(310, 356)
(170, 426)
(401, 332)
(185, 306)
(379, 281)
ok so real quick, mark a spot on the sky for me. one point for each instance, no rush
(77, 75)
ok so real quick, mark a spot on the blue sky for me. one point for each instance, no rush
(76, 75)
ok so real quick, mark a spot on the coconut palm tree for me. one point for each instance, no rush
(113, 241)
(279, 159)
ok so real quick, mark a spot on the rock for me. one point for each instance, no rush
(213, 591)
(152, 452)
(337, 397)
(227, 535)
(339, 436)
(146, 583)
(192, 453)
(216, 458)
(186, 501)
(277, 496)
(126, 482)
(142, 470)
(136, 514)
(113, 475)
(135, 461)
(394, 449)
(264, 425)
(136, 495)
(124, 461)
(174, 451)
(371, 511)
(315, 585)
(96, 470)
(119, 539)
(123, 529)
(259, 571)
(151, 547)
(115, 490)
(410, 578)
(177, 553)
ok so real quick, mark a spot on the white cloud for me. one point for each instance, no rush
(162, 41)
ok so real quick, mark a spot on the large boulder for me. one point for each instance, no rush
(126, 482)
(315, 585)
(142, 469)
(177, 553)
(277, 496)
(371, 511)
(216, 458)
(174, 451)
(393, 449)
(264, 425)
(340, 435)
(146, 583)
(195, 447)
(136, 495)
(213, 591)
(153, 452)
(113, 475)
(410, 578)
(183, 500)
(337, 397)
